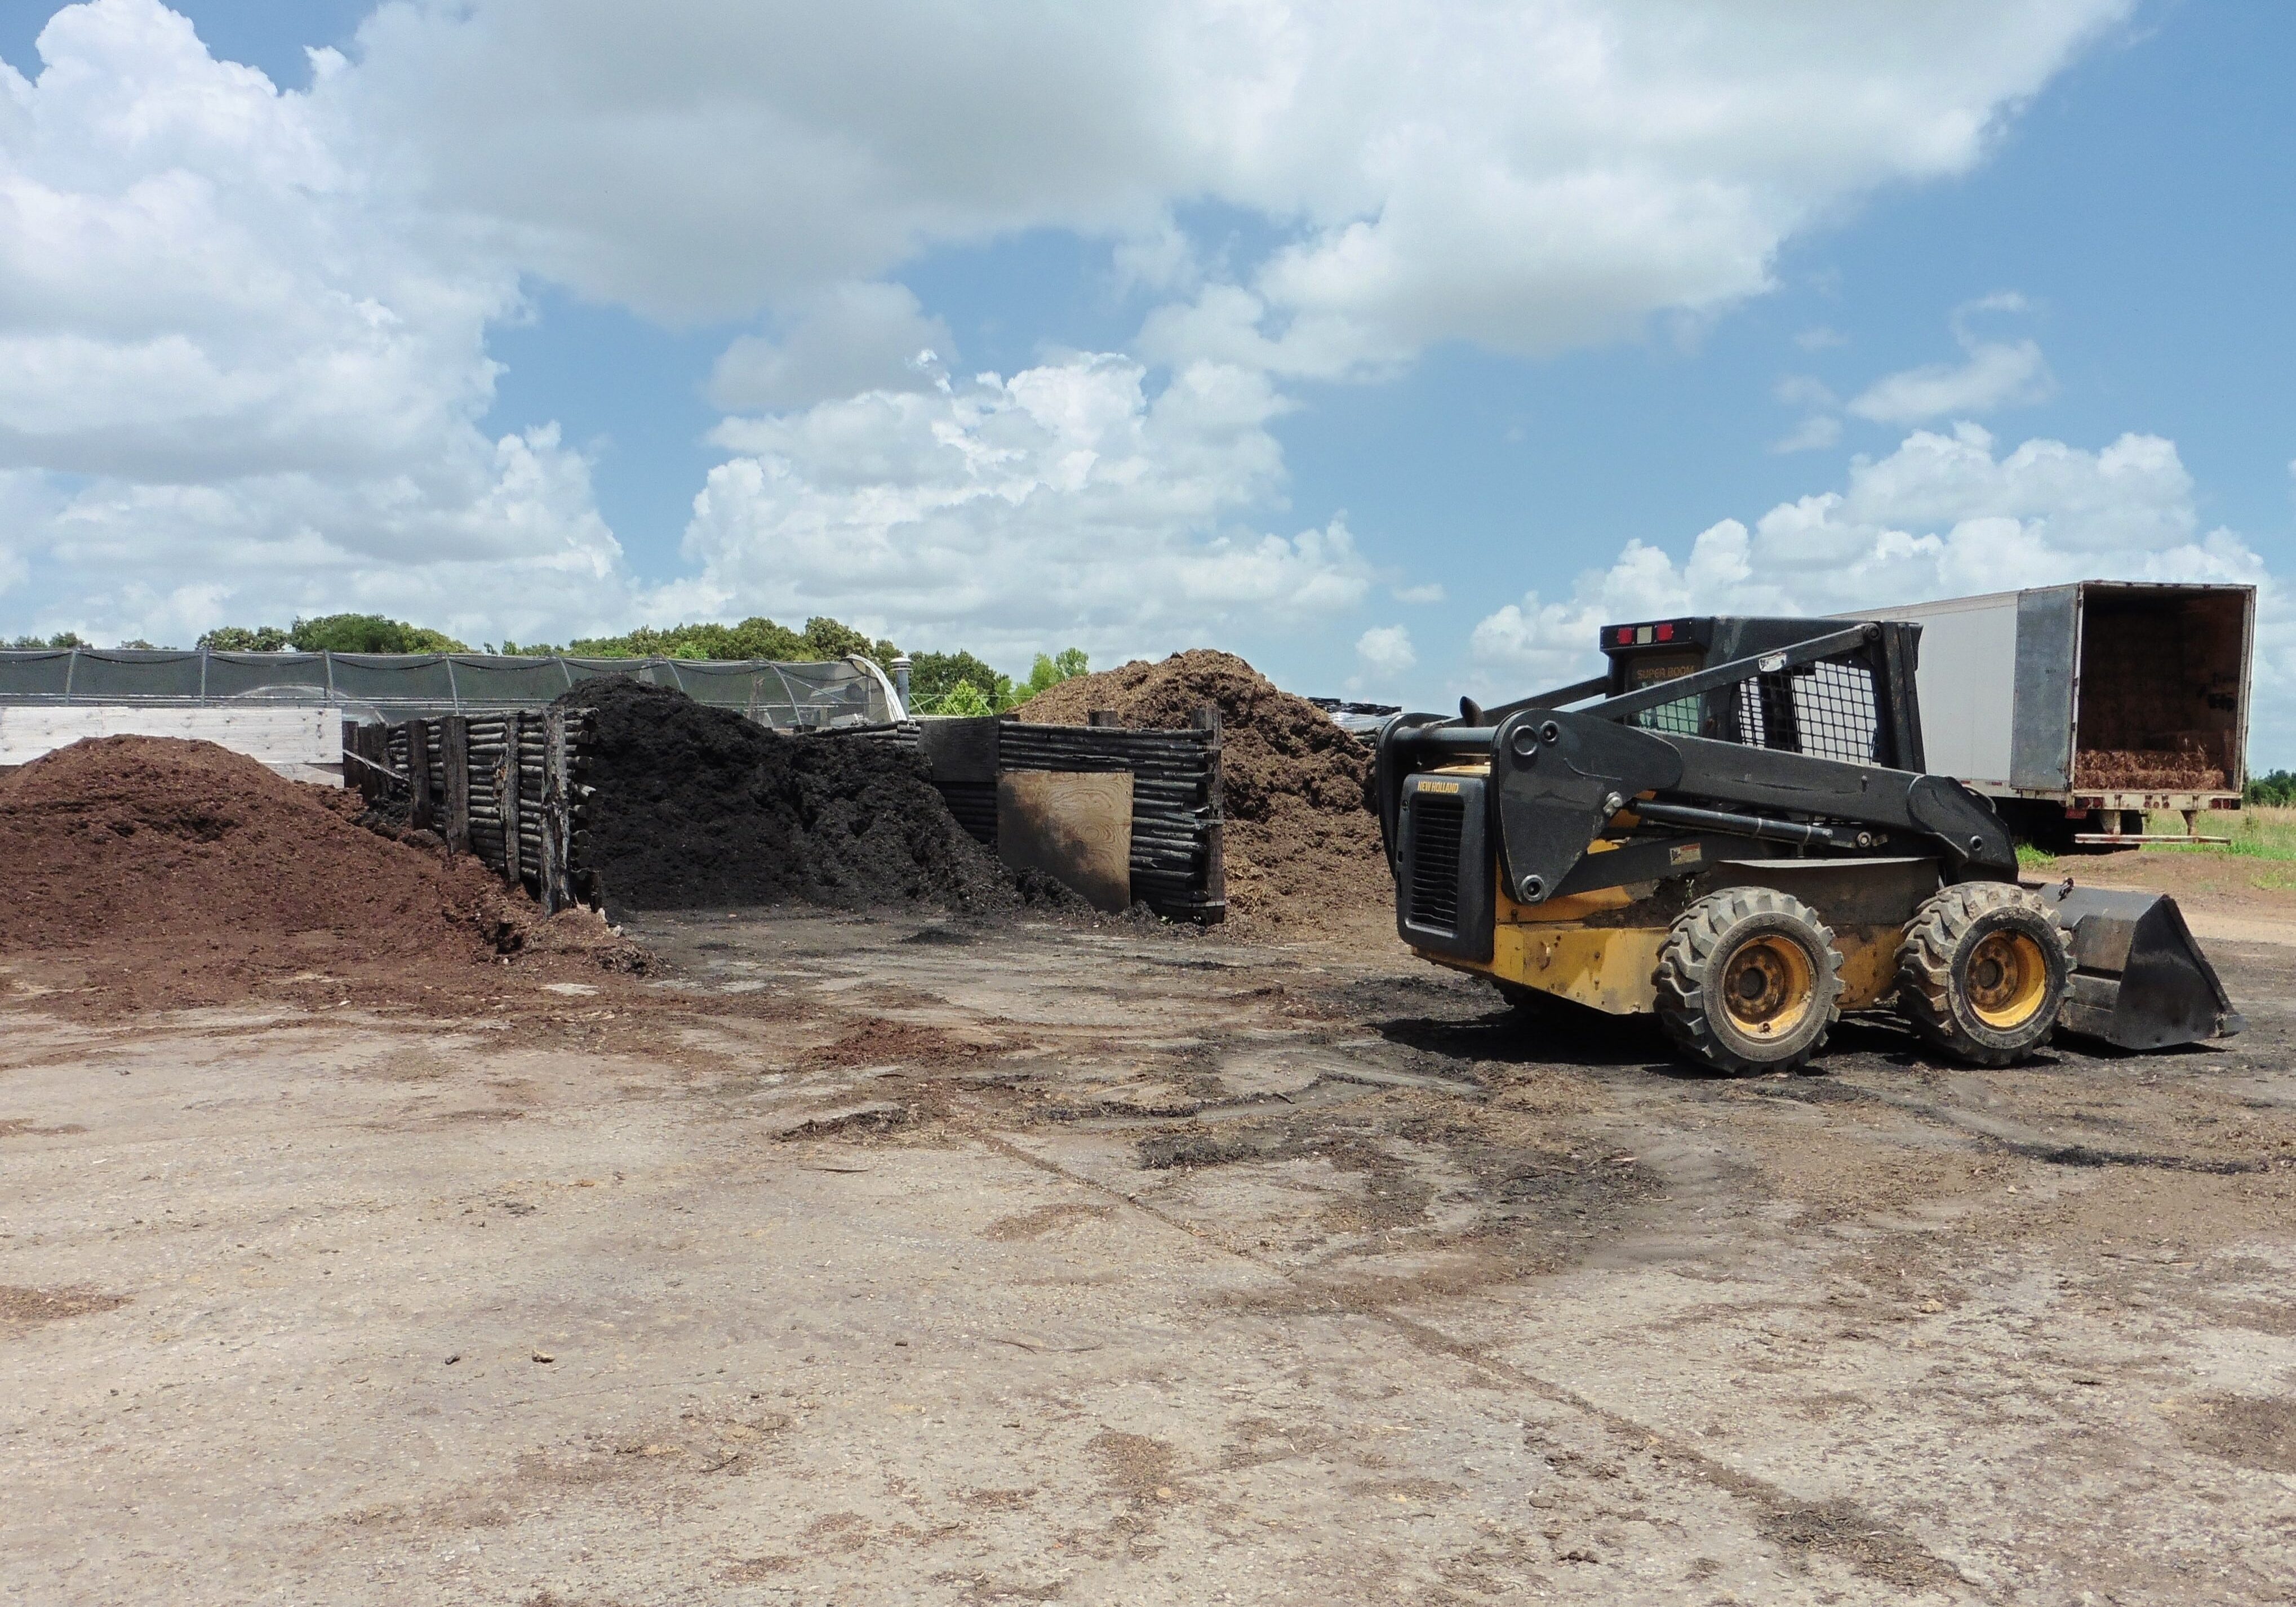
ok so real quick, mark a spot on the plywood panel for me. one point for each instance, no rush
(287, 739)
(1073, 825)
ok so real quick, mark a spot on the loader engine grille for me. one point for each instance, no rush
(1438, 825)
(1825, 709)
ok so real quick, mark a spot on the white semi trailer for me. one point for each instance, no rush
(2080, 708)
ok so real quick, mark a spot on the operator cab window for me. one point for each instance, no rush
(1649, 669)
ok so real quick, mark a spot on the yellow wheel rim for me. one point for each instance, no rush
(1769, 987)
(2007, 979)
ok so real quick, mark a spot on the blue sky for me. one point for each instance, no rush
(2030, 324)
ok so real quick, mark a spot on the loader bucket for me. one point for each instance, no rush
(2139, 980)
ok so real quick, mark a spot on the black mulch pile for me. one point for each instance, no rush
(699, 808)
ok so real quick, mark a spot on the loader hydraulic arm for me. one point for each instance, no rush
(1558, 776)
(1407, 739)
(1561, 777)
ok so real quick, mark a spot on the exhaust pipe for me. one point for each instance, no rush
(2139, 980)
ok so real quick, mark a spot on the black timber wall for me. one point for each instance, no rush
(502, 787)
(1179, 866)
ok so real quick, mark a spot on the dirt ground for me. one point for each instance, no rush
(2224, 896)
(850, 1260)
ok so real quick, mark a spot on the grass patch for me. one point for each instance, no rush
(2030, 858)
(2259, 832)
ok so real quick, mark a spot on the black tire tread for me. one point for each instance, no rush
(1691, 950)
(1925, 966)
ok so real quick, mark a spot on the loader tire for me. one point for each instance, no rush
(1982, 972)
(1748, 980)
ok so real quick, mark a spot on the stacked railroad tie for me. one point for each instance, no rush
(1178, 856)
(502, 787)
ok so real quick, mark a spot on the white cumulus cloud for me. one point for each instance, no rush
(837, 342)
(1813, 434)
(978, 510)
(1992, 374)
(1995, 374)
(243, 364)
(1386, 650)
(1522, 175)
(231, 383)
(1944, 515)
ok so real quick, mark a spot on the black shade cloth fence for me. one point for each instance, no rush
(798, 696)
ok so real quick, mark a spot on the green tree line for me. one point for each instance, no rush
(61, 640)
(939, 683)
(331, 633)
(958, 683)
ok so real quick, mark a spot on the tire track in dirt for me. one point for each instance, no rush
(1869, 1546)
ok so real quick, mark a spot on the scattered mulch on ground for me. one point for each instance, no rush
(699, 808)
(879, 1042)
(2253, 1431)
(161, 871)
(1303, 845)
(22, 1305)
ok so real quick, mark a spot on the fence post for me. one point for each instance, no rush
(419, 815)
(508, 790)
(1207, 719)
(381, 780)
(454, 775)
(1102, 718)
(550, 875)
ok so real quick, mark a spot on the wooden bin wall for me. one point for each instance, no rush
(500, 787)
(1179, 864)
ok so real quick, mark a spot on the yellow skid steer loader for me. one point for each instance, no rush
(1732, 830)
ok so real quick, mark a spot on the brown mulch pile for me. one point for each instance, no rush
(1302, 844)
(166, 872)
(2146, 770)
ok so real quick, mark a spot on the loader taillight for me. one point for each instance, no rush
(1646, 635)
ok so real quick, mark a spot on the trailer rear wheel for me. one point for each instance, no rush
(1982, 972)
(1748, 980)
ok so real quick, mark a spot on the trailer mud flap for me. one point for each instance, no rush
(2139, 980)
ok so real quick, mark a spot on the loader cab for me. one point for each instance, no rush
(1860, 708)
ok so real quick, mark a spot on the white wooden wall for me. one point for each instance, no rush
(300, 742)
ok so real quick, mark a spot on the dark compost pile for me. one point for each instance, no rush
(699, 808)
